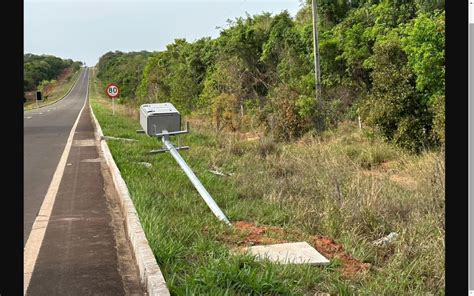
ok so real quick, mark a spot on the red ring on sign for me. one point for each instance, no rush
(107, 93)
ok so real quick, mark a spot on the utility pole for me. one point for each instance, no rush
(317, 70)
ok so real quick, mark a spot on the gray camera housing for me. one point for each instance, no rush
(155, 118)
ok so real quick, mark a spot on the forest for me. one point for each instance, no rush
(43, 68)
(381, 61)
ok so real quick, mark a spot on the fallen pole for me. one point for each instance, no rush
(197, 184)
(165, 118)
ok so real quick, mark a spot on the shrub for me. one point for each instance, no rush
(225, 112)
(282, 118)
(266, 146)
(393, 105)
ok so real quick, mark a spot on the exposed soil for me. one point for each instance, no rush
(48, 88)
(386, 168)
(330, 249)
(258, 235)
(31, 95)
(249, 234)
(249, 136)
(404, 181)
(372, 173)
(197, 122)
(388, 165)
(66, 72)
(59, 80)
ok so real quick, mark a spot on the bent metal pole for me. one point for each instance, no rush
(200, 188)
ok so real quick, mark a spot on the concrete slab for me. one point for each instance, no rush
(91, 160)
(84, 143)
(289, 253)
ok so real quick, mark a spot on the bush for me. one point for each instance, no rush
(266, 146)
(282, 118)
(369, 157)
(393, 105)
(225, 112)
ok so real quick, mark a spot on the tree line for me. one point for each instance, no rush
(40, 68)
(380, 60)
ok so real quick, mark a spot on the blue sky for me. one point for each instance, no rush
(85, 30)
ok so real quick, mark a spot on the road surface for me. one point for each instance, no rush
(78, 245)
(45, 134)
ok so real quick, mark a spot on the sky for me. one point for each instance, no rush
(85, 30)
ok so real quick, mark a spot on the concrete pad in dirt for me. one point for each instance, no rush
(289, 253)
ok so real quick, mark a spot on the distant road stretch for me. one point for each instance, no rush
(45, 134)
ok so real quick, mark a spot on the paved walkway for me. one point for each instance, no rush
(84, 250)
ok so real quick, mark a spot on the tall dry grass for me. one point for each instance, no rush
(354, 187)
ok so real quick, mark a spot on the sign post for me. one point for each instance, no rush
(113, 91)
(39, 97)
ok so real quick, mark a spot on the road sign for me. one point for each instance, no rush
(39, 97)
(112, 91)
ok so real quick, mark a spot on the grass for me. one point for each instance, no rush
(58, 91)
(347, 185)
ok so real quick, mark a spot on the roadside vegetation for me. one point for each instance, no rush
(284, 167)
(51, 75)
(380, 60)
(339, 191)
(53, 90)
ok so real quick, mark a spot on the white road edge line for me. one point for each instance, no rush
(65, 95)
(35, 240)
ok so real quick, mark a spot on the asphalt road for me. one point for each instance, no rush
(45, 135)
(84, 250)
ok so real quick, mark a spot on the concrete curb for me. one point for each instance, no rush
(150, 273)
(52, 103)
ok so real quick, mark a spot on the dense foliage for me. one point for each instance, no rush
(40, 68)
(380, 60)
(124, 69)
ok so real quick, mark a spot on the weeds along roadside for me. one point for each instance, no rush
(57, 91)
(346, 185)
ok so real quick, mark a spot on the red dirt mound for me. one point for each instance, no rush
(331, 249)
(249, 234)
(257, 235)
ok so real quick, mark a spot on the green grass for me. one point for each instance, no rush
(56, 94)
(347, 186)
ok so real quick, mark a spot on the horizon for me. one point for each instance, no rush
(84, 31)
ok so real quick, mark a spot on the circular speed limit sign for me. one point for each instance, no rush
(112, 91)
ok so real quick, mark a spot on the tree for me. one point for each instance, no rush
(39, 68)
(393, 105)
(381, 59)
